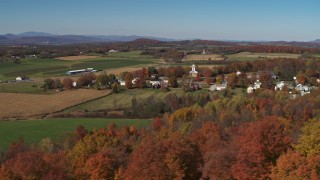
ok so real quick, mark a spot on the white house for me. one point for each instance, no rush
(250, 90)
(217, 87)
(279, 85)
(303, 89)
(134, 80)
(113, 51)
(193, 72)
(18, 78)
(122, 82)
(155, 82)
(165, 80)
(257, 84)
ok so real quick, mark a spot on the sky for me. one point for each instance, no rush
(289, 20)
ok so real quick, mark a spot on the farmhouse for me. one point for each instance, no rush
(250, 90)
(218, 87)
(193, 72)
(21, 78)
(113, 51)
(155, 82)
(279, 86)
(122, 82)
(303, 89)
(256, 85)
(18, 78)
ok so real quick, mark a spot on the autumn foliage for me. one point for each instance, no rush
(263, 135)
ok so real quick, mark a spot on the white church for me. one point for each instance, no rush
(193, 72)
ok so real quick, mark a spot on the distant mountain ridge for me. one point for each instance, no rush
(33, 34)
(316, 41)
(47, 38)
(32, 37)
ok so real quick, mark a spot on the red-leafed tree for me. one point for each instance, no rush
(171, 158)
(104, 164)
(301, 79)
(157, 124)
(67, 83)
(260, 144)
(146, 162)
(25, 165)
(128, 79)
(218, 156)
(80, 132)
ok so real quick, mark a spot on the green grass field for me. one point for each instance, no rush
(316, 55)
(247, 56)
(34, 130)
(123, 99)
(54, 67)
(23, 87)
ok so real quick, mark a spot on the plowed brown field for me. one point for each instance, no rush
(16, 105)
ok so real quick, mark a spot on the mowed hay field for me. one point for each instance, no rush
(124, 99)
(247, 56)
(204, 57)
(74, 58)
(16, 105)
(33, 131)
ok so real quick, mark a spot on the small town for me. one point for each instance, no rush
(166, 90)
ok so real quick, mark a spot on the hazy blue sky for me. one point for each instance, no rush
(181, 19)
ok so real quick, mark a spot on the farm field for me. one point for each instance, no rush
(204, 57)
(41, 68)
(17, 105)
(316, 55)
(247, 56)
(34, 130)
(28, 87)
(123, 99)
(75, 58)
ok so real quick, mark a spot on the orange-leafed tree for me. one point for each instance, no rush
(157, 124)
(294, 165)
(232, 80)
(128, 79)
(260, 144)
(217, 154)
(25, 165)
(146, 162)
(104, 164)
(301, 78)
(174, 157)
(67, 83)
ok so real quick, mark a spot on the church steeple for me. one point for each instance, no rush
(193, 68)
(193, 72)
